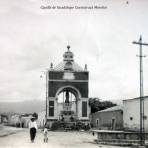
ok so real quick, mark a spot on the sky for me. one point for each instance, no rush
(31, 38)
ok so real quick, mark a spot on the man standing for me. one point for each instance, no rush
(33, 128)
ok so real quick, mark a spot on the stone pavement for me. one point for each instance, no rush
(56, 140)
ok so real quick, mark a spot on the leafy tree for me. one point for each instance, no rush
(96, 104)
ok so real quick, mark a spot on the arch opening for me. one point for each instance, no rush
(67, 100)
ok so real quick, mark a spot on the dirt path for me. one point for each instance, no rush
(56, 140)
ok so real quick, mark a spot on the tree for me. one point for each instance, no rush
(94, 104)
(97, 105)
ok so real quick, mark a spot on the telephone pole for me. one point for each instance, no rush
(46, 92)
(142, 130)
(46, 73)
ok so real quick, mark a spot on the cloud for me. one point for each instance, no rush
(31, 38)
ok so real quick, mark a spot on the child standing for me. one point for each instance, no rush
(45, 134)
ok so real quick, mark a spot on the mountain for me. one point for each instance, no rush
(30, 106)
(22, 107)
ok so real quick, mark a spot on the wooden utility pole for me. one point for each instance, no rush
(142, 130)
(46, 95)
(46, 92)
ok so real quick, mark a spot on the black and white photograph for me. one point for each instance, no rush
(74, 74)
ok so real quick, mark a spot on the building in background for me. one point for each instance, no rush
(25, 119)
(131, 115)
(41, 119)
(110, 118)
(15, 120)
(67, 91)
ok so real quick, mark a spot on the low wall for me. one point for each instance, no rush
(118, 137)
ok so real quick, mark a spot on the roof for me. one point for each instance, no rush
(75, 67)
(114, 108)
(144, 97)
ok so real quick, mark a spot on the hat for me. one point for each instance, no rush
(32, 117)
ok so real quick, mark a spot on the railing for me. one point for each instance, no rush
(67, 106)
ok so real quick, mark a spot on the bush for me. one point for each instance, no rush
(74, 126)
(57, 125)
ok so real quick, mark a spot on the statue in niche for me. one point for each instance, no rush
(67, 97)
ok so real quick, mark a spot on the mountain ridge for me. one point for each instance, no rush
(22, 107)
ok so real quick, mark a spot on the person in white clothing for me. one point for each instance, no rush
(45, 134)
(33, 128)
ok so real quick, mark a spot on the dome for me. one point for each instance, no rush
(68, 62)
(61, 67)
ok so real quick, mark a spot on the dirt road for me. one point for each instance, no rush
(56, 140)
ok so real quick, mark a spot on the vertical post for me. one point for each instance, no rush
(142, 130)
(46, 94)
(77, 107)
(63, 100)
(141, 93)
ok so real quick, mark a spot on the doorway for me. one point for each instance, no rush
(97, 123)
(113, 124)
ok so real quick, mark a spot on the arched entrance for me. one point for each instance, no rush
(67, 103)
